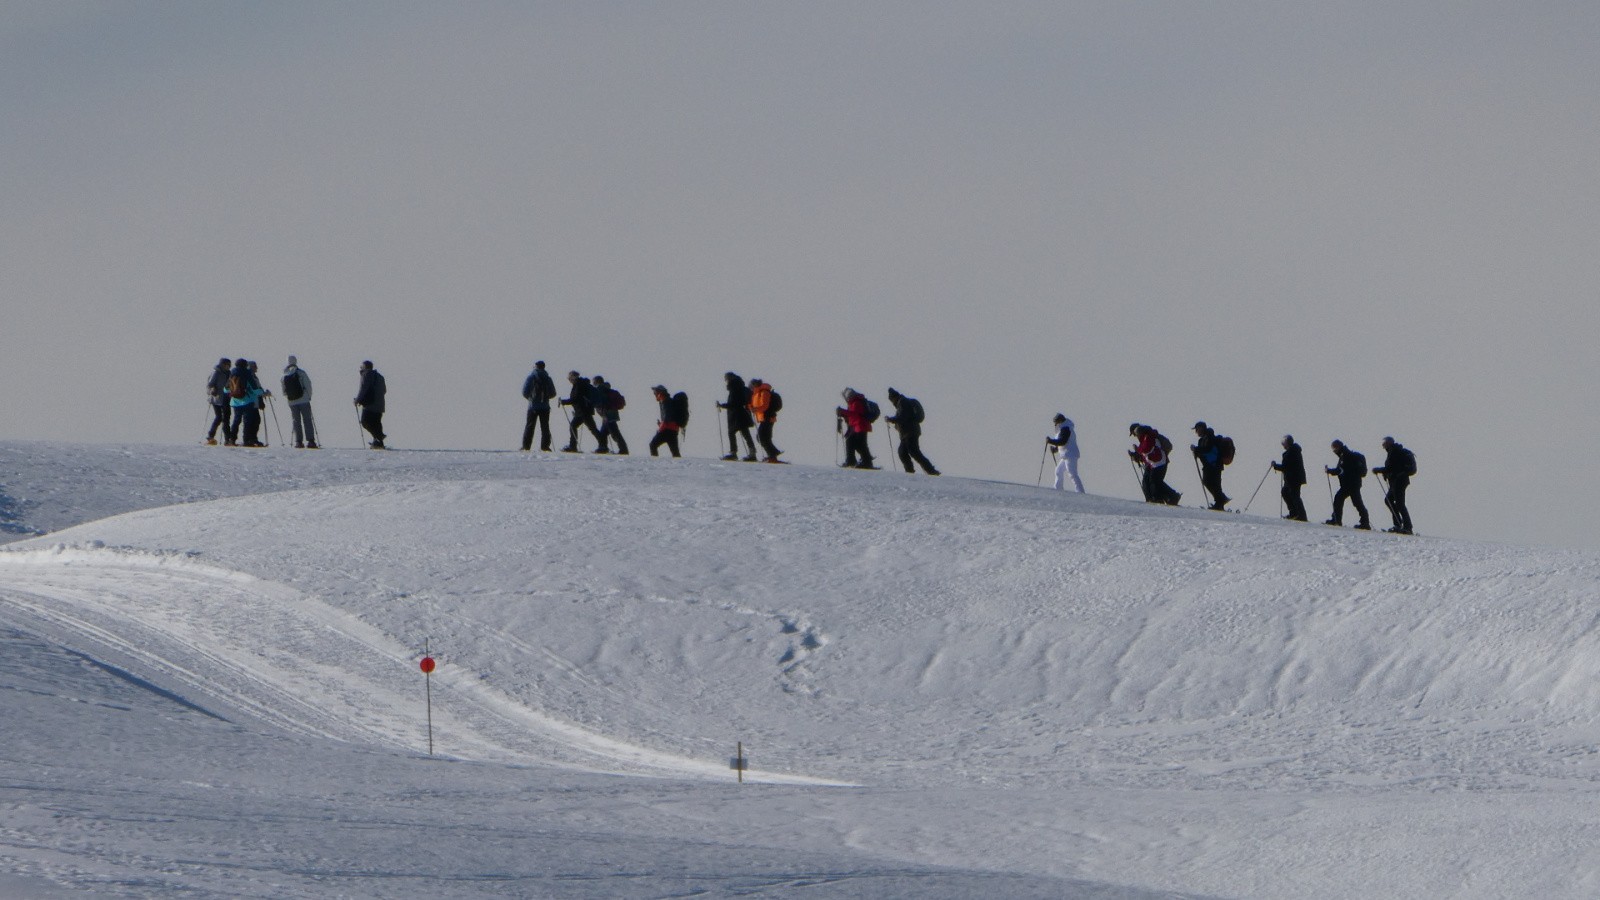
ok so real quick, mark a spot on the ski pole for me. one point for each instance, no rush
(721, 427)
(1137, 479)
(272, 404)
(1042, 454)
(361, 436)
(1258, 490)
(1203, 490)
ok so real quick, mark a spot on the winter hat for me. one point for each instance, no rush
(894, 394)
(293, 362)
(659, 389)
(1060, 417)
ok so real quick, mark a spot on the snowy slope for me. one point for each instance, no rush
(944, 685)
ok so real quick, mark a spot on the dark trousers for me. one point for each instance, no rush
(855, 450)
(373, 423)
(1156, 489)
(911, 450)
(667, 436)
(246, 426)
(583, 420)
(540, 418)
(1211, 480)
(612, 431)
(1396, 501)
(1352, 491)
(219, 419)
(764, 437)
(305, 427)
(1292, 502)
(735, 430)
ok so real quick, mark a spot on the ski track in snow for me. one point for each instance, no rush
(230, 643)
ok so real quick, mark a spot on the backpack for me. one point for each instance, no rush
(1166, 444)
(1411, 464)
(292, 388)
(616, 399)
(238, 385)
(911, 412)
(1224, 449)
(873, 411)
(1358, 464)
(678, 409)
(774, 403)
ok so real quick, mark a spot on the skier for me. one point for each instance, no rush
(538, 389)
(244, 395)
(739, 420)
(907, 420)
(764, 406)
(1208, 450)
(580, 398)
(297, 391)
(217, 395)
(1293, 467)
(1351, 469)
(1064, 445)
(1152, 453)
(855, 419)
(1399, 464)
(370, 397)
(608, 403)
(674, 417)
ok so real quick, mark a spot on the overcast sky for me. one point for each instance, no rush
(1336, 220)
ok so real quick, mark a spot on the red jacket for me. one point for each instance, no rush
(855, 415)
(1150, 452)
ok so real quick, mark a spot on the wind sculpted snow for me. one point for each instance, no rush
(1001, 683)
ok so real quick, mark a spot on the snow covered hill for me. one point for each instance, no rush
(946, 687)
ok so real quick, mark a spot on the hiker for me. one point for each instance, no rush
(244, 395)
(538, 389)
(297, 391)
(907, 420)
(1293, 467)
(674, 418)
(217, 395)
(1064, 446)
(1152, 452)
(1351, 469)
(739, 420)
(855, 418)
(580, 398)
(370, 397)
(1208, 451)
(1399, 464)
(764, 405)
(608, 403)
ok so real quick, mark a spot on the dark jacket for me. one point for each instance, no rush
(738, 405)
(1351, 469)
(217, 385)
(581, 398)
(1293, 465)
(907, 416)
(1398, 465)
(539, 389)
(370, 396)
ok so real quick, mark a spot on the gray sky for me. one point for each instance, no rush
(1343, 220)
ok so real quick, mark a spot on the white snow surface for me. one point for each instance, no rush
(944, 687)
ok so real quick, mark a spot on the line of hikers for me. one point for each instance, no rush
(748, 406)
(237, 399)
(1213, 452)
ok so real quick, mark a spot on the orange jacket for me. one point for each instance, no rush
(760, 399)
